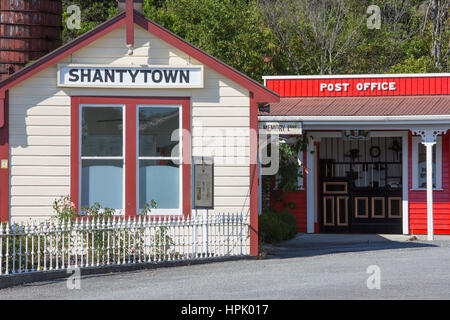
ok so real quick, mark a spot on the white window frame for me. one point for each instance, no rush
(81, 158)
(416, 140)
(159, 211)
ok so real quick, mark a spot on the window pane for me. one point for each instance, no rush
(159, 180)
(102, 182)
(156, 125)
(423, 166)
(102, 131)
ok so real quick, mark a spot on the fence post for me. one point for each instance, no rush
(205, 234)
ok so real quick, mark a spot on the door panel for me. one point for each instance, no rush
(360, 202)
(342, 211)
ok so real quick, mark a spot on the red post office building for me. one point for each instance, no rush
(378, 153)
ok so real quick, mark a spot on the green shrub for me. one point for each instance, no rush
(276, 226)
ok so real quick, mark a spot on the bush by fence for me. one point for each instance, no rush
(276, 226)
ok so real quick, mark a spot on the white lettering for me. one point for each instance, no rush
(330, 87)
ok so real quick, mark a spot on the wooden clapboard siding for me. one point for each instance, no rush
(441, 198)
(40, 124)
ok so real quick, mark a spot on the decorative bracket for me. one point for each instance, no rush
(428, 135)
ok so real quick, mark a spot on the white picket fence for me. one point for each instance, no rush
(54, 245)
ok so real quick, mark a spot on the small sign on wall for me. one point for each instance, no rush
(203, 182)
(282, 127)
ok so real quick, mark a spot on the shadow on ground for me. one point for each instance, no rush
(307, 245)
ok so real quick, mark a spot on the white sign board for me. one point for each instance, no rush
(106, 76)
(286, 127)
(203, 183)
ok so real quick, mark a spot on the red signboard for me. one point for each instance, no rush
(357, 87)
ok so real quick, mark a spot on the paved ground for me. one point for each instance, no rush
(307, 267)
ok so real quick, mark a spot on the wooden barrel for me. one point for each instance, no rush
(29, 29)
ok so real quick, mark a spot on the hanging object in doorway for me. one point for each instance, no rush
(375, 151)
(353, 154)
(396, 147)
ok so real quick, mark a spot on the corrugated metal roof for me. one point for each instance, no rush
(361, 106)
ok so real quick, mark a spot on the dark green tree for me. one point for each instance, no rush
(93, 13)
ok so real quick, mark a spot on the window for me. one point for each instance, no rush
(159, 157)
(420, 164)
(102, 161)
(126, 152)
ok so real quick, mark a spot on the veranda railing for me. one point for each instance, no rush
(88, 242)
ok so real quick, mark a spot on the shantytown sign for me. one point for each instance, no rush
(102, 76)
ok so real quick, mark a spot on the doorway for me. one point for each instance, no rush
(360, 185)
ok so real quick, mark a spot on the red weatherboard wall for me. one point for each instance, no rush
(299, 211)
(298, 198)
(441, 199)
(404, 86)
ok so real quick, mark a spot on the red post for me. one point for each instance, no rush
(253, 176)
(74, 152)
(4, 157)
(130, 159)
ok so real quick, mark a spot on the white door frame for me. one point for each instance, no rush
(312, 179)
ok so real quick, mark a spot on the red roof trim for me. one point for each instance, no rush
(261, 93)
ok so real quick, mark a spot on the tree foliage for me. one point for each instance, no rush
(269, 37)
(93, 13)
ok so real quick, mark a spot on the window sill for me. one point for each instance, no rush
(425, 189)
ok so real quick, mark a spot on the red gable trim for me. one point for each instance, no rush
(130, 22)
(62, 52)
(261, 93)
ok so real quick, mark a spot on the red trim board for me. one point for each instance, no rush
(130, 145)
(130, 22)
(4, 155)
(253, 176)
